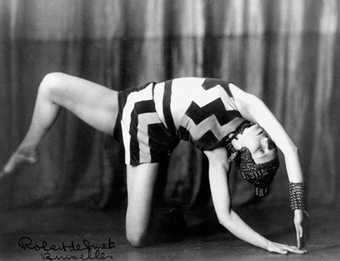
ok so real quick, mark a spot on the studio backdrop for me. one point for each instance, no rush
(284, 51)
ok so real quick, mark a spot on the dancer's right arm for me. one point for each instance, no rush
(218, 169)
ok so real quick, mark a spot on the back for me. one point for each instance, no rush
(200, 110)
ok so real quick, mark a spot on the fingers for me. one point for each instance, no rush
(285, 249)
(298, 241)
(299, 235)
(294, 249)
(281, 251)
(276, 248)
(300, 231)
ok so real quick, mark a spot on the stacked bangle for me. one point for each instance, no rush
(296, 196)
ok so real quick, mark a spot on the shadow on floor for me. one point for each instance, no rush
(70, 233)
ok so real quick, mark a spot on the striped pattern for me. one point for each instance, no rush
(203, 110)
(144, 136)
(156, 116)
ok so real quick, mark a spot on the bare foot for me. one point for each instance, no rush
(18, 159)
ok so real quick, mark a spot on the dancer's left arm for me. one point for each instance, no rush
(254, 109)
(218, 179)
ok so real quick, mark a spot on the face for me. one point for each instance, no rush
(255, 139)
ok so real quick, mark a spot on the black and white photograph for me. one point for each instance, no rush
(177, 130)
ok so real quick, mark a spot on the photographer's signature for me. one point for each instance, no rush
(72, 250)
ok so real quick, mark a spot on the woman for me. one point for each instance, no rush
(219, 118)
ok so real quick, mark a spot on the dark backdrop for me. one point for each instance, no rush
(284, 51)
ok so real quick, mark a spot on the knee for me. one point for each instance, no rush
(51, 82)
(135, 239)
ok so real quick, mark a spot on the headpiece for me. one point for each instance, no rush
(260, 175)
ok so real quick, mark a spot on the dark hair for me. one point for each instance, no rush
(260, 175)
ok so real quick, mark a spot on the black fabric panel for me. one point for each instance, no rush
(212, 82)
(139, 108)
(166, 107)
(208, 140)
(161, 142)
(216, 107)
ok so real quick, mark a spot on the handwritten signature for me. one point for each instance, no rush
(79, 250)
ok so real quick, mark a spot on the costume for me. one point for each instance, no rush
(156, 116)
(153, 118)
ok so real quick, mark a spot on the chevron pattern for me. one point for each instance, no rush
(194, 109)
(210, 118)
(145, 137)
(215, 107)
(142, 115)
(204, 128)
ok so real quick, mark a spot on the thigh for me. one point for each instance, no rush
(140, 185)
(91, 102)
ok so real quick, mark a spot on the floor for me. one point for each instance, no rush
(23, 232)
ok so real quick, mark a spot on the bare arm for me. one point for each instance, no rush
(255, 110)
(218, 168)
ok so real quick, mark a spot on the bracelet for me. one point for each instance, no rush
(296, 196)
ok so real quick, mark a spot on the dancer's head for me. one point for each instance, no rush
(257, 156)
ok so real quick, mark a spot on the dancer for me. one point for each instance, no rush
(223, 121)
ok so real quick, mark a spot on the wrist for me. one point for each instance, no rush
(298, 215)
(298, 211)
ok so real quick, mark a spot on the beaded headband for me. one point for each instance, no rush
(260, 175)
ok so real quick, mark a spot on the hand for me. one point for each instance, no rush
(298, 221)
(283, 249)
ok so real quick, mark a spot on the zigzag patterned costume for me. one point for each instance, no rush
(156, 116)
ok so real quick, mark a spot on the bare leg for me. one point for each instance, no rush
(91, 102)
(140, 185)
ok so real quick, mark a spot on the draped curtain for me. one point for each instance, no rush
(284, 51)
